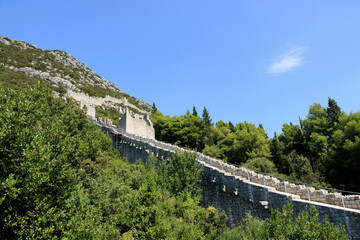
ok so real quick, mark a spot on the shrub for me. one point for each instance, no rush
(284, 225)
(261, 164)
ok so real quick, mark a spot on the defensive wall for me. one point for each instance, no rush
(236, 190)
(90, 102)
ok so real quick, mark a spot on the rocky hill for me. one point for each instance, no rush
(26, 64)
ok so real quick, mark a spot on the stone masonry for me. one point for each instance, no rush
(135, 125)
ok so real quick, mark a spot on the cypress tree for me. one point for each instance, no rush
(154, 108)
(333, 113)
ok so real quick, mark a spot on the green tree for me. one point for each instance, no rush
(154, 108)
(316, 132)
(206, 118)
(237, 147)
(292, 137)
(185, 130)
(181, 174)
(194, 111)
(276, 150)
(299, 168)
(333, 113)
(261, 165)
(344, 158)
(161, 126)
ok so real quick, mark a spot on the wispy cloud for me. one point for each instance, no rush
(288, 61)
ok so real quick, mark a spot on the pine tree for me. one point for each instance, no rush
(194, 111)
(206, 117)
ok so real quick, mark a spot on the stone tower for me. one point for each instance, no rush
(137, 126)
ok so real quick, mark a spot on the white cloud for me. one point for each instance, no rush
(291, 59)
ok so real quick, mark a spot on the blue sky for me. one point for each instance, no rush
(256, 61)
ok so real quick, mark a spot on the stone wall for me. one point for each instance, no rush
(90, 102)
(90, 112)
(134, 125)
(237, 190)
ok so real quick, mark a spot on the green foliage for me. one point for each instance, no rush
(61, 89)
(206, 117)
(194, 112)
(344, 158)
(60, 178)
(17, 80)
(154, 108)
(261, 164)
(328, 139)
(186, 130)
(107, 113)
(42, 146)
(237, 145)
(2, 69)
(292, 137)
(181, 175)
(319, 150)
(316, 135)
(284, 225)
(276, 150)
(299, 168)
(333, 113)
(249, 229)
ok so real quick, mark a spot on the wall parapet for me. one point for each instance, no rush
(304, 191)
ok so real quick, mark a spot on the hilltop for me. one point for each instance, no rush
(26, 64)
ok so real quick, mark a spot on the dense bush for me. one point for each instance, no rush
(181, 174)
(60, 178)
(284, 225)
(261, 165)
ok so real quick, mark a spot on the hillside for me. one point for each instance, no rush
(26, 64)
(61, 178)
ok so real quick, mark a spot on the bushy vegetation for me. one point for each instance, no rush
(60, 178)
(284, 225)
(323, 149)
(17, 80)
(107, 113)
